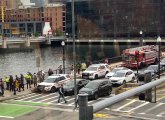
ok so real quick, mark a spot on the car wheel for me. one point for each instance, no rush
(96, 76)
(53, 89)
(133, 79)
(96, 96)
(109, 91)
(124, 83)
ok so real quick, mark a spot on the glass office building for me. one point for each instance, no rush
(117, 18)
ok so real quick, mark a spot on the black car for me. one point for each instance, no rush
(154, 69)
(69, 86)
(97, 88)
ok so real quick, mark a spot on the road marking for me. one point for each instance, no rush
(138, 107)
(99, 115)
(118, 109)
(29, 97)
(154, 107)
(6, 117)
(160, 98)
(161, 114)
(41, 97)
(57, 100)
(48, 99)
(25, 95)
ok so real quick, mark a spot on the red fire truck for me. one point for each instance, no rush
(140, 56)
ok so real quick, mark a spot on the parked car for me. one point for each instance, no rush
(162, 62)
(96, 71)
(110, 74)
(97, 88)
(51, 84)
(154, 69)
(122, 77)
(69, 86)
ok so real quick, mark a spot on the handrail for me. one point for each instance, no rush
(115, 99)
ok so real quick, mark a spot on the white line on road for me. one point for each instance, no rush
(25, 95)
(154, 107)
(42, 97)
(118, 109)
(138, 107)
(56, 100)
(29, 97)
(48, 99)
(1, 116)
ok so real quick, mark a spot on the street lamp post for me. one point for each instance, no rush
(74, 53)
(158, 45)
(141, 39)
(63, 55)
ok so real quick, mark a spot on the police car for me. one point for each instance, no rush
(51, 84)
(96, 71)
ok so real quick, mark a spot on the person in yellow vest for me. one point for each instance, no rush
(28, 82)
(83, 66)
(16, 83)
(7, 82)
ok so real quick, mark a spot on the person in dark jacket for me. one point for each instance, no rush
(50, 72)
(35, 79)
(11, 82)
(22, 82)
(1, 87)
(61, 93)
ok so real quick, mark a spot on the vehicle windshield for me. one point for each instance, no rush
(92, 85)
(152, 68)
(115, 70)
(92, 68)
(128, 57)
(50, 80)
(119, 74)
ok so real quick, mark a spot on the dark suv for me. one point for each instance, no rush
(97, 88)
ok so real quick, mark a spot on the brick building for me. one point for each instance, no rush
(28, 21)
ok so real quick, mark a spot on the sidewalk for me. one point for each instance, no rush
(9, 95)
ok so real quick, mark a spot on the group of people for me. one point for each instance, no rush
(17, 83)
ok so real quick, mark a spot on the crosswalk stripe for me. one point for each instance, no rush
(26, 95)
(42, 97)
(57, 100)
(154, 107)
(118, 109)
(138, 107)
(48, 99)
(29, 97)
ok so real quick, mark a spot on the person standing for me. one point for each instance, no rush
(61, 94)
(1, 87)
(50, 72)
(78, 68)
(60, 69)
(7, 82)
(22, 82)
(11, 82)
(28, 78)
(17, 83)
(35, 80)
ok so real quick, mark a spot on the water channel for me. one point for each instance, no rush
(51, 57)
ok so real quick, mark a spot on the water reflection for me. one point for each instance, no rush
(51, 57)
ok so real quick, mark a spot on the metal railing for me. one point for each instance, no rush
(88, 111)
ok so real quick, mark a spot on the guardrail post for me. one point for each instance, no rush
(85, 111)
